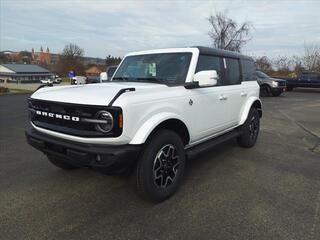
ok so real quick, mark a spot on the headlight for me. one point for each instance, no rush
(107, 124)
(274, 84)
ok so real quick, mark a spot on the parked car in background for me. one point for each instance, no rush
(54, 79)
(93, 79)
(78, 80)
(304, 79)
(57, 79)
(47, 81)
(270, 86)
(107, 75)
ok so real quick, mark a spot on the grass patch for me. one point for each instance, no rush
(65, 79)
(18, 90)
(4, 90)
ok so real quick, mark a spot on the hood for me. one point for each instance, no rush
(90, 94)
(277, 80)
(270, 80)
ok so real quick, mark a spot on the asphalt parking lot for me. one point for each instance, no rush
(271, 191)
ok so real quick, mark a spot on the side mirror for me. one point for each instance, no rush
(103, 77)
(206, 78)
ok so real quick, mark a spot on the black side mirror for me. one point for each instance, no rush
(191, 85)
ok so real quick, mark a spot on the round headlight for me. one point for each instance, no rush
(107, 125)
(274, 84)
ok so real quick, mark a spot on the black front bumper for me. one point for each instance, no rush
(83, 154)
(279, 89)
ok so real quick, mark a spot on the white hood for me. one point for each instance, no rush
(90, 94)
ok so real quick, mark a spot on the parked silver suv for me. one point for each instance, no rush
(270, 86)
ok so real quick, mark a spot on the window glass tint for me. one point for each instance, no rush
(304, 77)
(166, 68)
(206, 62)
(232, 73)
(261, 74)
(111, 71)
(248, 70)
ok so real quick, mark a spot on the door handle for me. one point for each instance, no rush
(223, 97)
(243, 94)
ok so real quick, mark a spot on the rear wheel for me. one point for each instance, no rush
(61, 163)
(250, 129)
(161, 167)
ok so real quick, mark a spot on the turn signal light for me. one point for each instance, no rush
(120, 120)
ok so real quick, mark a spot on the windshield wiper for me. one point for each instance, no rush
(120, 78)
(152, 79)
(141, 79)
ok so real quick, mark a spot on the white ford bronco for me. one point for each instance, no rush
(160, 107)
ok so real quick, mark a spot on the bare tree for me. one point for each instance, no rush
(311, 58)
(297, 64)
(226, 33)
(73, 51)
(71, 60)
(264, 64)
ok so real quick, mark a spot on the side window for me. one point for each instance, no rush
(248, 70)
(207, 62)
(232, 72)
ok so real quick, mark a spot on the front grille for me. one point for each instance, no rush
(83, 127)
(282, 84)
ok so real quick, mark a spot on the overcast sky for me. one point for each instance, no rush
(118, 27)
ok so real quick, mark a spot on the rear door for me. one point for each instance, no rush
(234, 92)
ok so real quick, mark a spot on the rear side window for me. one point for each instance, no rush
(232, 72)
(207, 62)
(248, 70)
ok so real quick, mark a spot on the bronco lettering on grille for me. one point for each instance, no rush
(59, 116)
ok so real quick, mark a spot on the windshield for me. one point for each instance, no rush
(164, 68)
(261, 75)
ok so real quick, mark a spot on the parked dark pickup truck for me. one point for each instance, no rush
(304, 79)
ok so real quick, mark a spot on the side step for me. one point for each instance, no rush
(193, 151)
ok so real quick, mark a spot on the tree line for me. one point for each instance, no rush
(291, 65)
(71, 58)
(226, 33)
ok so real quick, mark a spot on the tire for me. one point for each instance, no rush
(276, 93)
(265, 91)
(250, 129)
(161, 167)
(61, 163)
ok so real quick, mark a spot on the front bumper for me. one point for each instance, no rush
(279, 89)
(82, 154)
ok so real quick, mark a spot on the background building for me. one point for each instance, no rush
(93, 71)
(41, 57)
(23, 73)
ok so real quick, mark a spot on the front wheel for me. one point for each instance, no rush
(161, 167)
(250, 129)
(276, 93)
